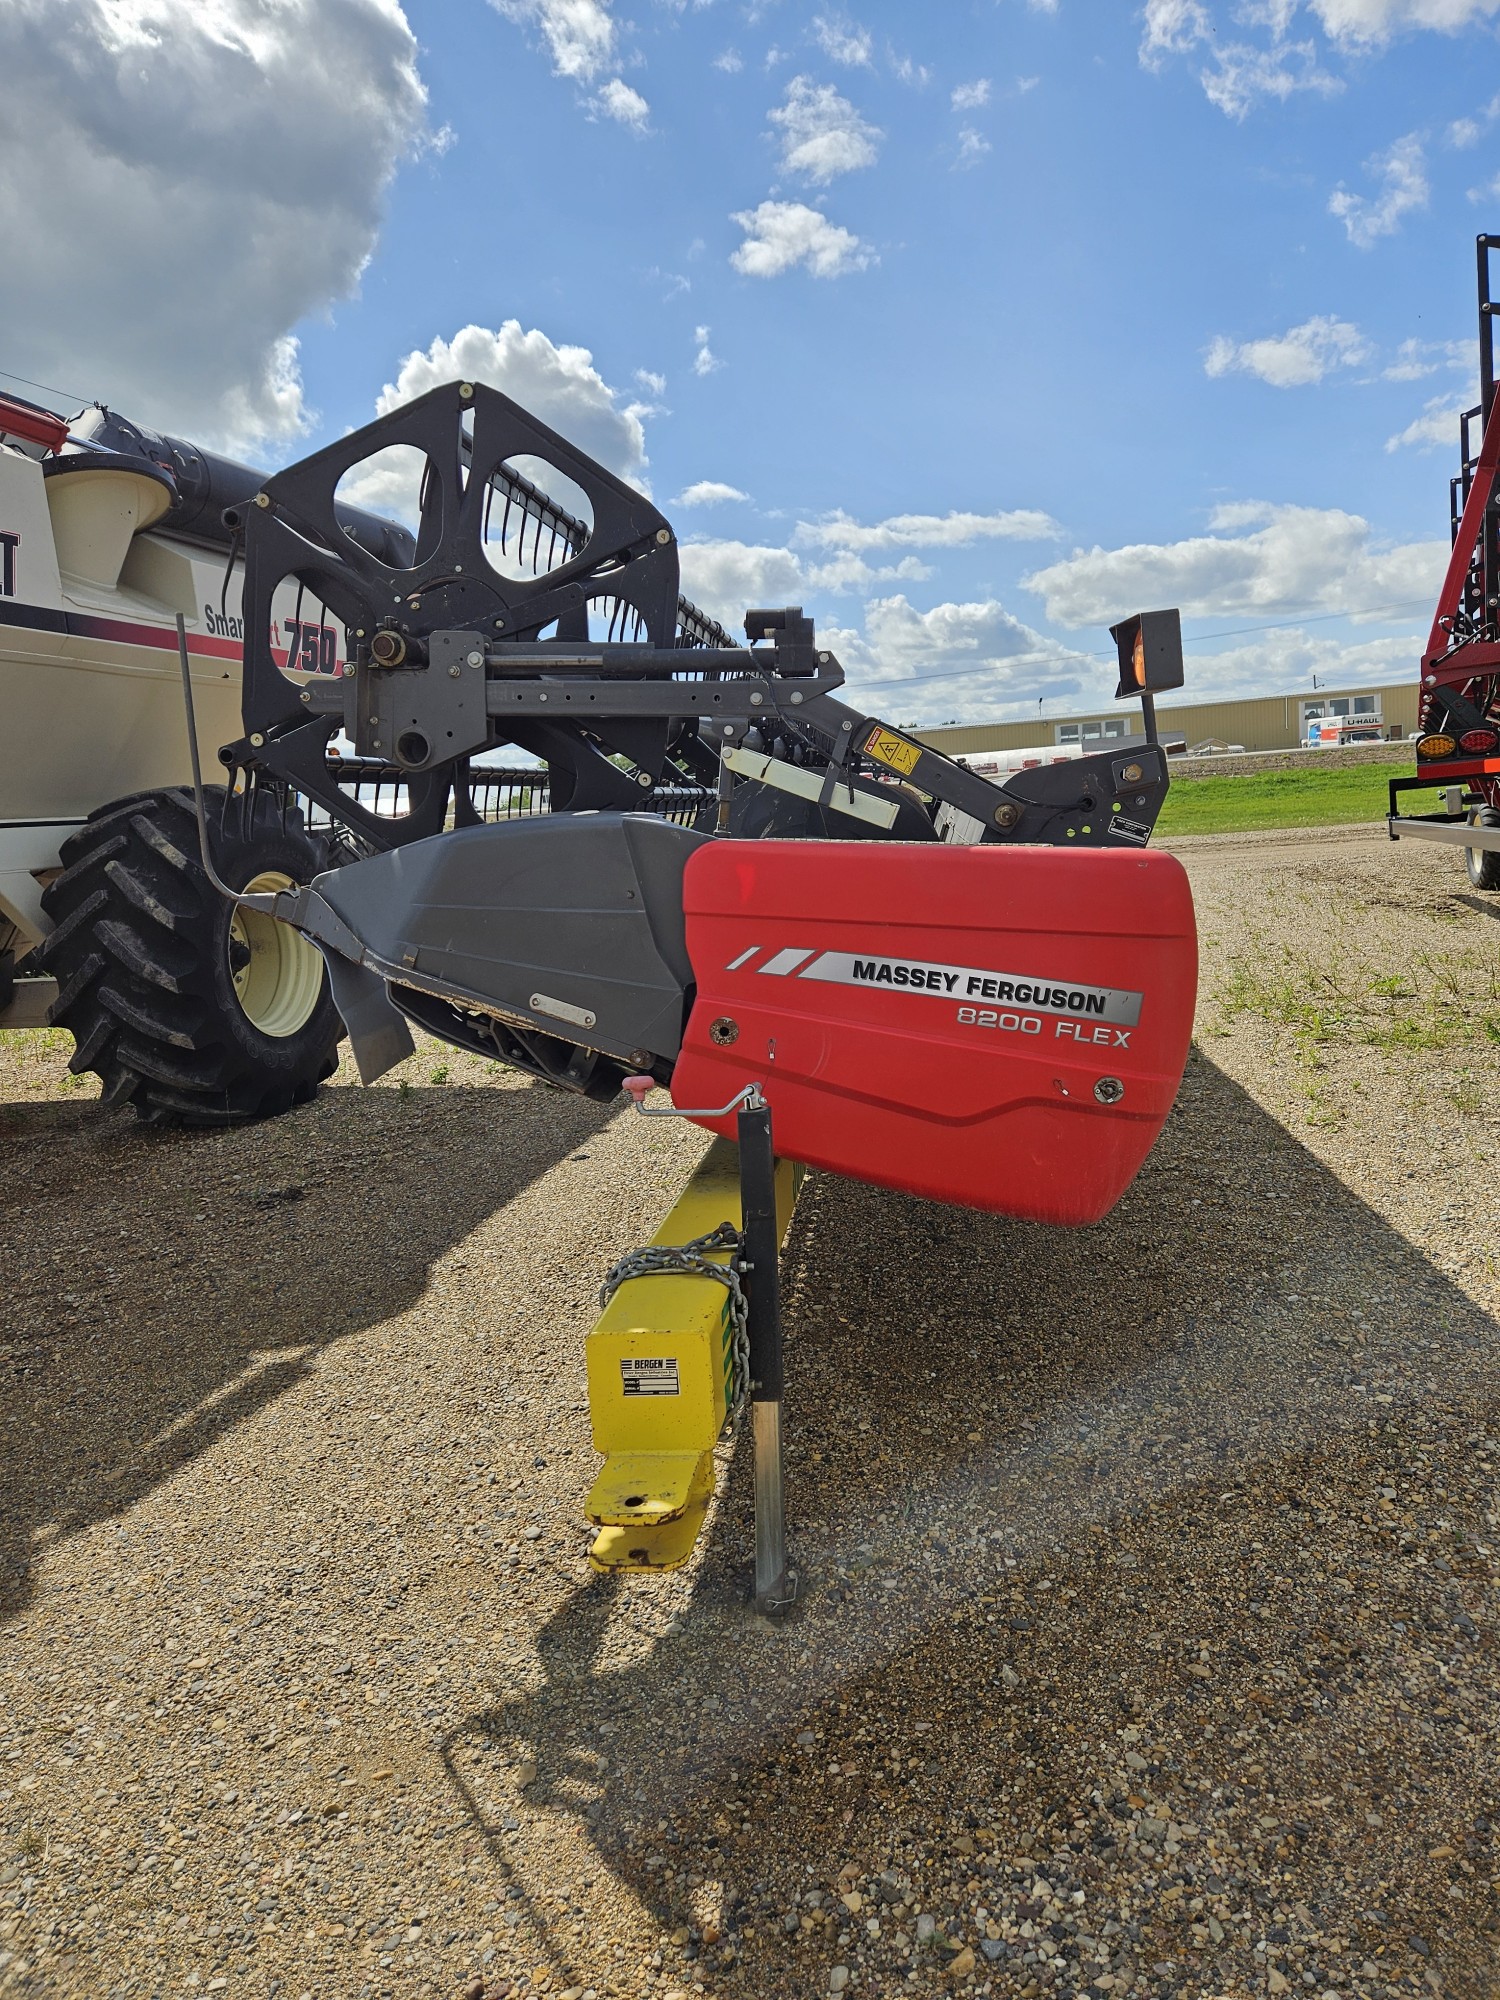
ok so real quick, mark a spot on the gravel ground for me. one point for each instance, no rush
(1148, 1627)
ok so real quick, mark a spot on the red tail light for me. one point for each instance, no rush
(1479, 741)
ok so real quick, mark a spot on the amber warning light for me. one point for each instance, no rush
(1150, 650)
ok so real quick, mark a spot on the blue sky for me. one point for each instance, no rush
(970, 327)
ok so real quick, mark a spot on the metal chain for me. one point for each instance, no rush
(664, 1260)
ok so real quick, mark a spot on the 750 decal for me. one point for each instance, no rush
(313, 649)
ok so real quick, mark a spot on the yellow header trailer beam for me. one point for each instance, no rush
(660, 1375)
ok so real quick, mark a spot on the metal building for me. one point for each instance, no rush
(1267, 722)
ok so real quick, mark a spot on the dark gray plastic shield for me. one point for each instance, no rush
(579, 908)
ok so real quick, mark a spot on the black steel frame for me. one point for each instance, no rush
(452, 657)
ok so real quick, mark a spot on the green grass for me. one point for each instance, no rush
(1284, 798)
(1343, 998)
(1340, 997)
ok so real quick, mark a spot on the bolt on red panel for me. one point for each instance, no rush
(1000, 1027)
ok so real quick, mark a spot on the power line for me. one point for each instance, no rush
(47, 388)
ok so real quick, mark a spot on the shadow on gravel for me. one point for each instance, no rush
(161, 1287)
(1032, 1476)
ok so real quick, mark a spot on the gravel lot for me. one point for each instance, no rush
(1148, 1627)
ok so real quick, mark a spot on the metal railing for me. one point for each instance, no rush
(498, 793)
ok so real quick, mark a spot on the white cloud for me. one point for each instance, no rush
(928, 531)
(580, 34)
(1172, 27)
(972, 147)
(1468, 131)
(1364, 21)
(847, 572)
(1437, 425)
(842, 41)
(583, 42)
(1270, 662)
(1265, 559)
(1244, 75)
(144, 262)
(731, 62)
(1241, 74)
(822, 135)
(708, 493)
(957, 682)
(1415, 359)
(617, 100)
(729, 578)
(971, 96)
(782, 234)
(652, 383)
(1403, 172)
(1490, 192)
(918, 75)
(1294, 359)
(968, 660)
(558, 384)
(705, 361)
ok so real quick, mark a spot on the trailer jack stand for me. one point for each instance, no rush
(691, 1327)
(762, 1256)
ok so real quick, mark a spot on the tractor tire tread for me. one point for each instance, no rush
(61, 886)
(90, 1051)
(141, 955)
(131, 1011)
(130, 951)
(77, 984)
(77, 919)
(180, 861)
(144, 894)
(1483, 865)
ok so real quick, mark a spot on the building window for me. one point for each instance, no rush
(1104, 728)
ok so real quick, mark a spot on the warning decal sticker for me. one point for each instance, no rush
(648, 1375)
(892, 751)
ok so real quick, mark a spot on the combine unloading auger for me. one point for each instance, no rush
(745, 890)
(974, 991)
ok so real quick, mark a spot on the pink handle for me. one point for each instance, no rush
(637, 1088)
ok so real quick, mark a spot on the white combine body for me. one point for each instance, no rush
(185, 1008)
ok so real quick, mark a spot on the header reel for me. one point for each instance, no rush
(561, 630)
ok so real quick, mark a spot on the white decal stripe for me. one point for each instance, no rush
(785, 962)
(743, 959)
(973, 984)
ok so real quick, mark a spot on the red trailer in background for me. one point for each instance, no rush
(1458, 710)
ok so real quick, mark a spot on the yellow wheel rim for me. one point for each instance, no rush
(278, 979)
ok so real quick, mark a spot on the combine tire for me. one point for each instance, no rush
(1484, 866)
(191, 1010)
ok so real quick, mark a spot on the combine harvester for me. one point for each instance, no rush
(1458, 708)
(745, 892)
